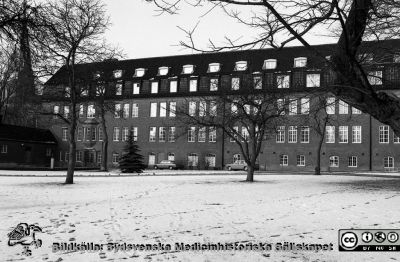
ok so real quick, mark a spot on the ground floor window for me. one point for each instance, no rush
(4, 149)
(236, 157)
(171, 156)
(284, 160)
(388, 162)
(301, 160)
(99, 157)
(334, 161)
(152, 159)
(79, 156)
(353, 161)
(210, 160)
(193, 159)
(115, 158)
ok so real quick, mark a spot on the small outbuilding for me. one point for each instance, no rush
(26, 147)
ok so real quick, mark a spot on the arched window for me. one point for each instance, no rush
(237, 157)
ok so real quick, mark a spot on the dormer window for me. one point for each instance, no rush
(214, 67)
(162, 71)
(188, 69)
(241, 66)
(270, 64)
(300, 62)
(139, 72)
(96, 75)
(117, 73)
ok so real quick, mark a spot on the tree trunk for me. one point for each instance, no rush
(318, 165)
(104, 162)
(250, 174)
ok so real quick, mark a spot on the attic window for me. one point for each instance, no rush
(300, 62)
(96, 75)
(139, 72)
(214, 67)
(270, 64)
(162, 71)
(241, 66)
(117, 73)
(187, 69)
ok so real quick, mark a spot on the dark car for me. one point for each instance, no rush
(167, 164)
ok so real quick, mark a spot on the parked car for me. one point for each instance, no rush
(239, 165)
(167, 164)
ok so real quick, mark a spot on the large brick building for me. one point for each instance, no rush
(144, 91)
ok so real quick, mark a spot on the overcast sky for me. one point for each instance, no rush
(141, 32)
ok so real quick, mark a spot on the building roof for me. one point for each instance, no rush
(255, 60)
(26, 134)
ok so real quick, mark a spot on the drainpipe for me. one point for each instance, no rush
(370, 143)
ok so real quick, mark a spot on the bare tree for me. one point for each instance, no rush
(8, 76)
(278, 23)
(247, 119)
(74, 34)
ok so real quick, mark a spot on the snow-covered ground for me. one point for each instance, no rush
(190, 209)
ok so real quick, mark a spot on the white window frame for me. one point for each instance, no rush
(301, 160)
(384, 134)
(280, 134)
(283, 81)
(330, 134)
(305, 134)
(388, 162)
(300, 62)
(343, 134)
(191, 138)
(153, 109)
(283, 160)
(343, 108)
(293, 107)
(305, 106)
(154, 87)
(140, 72)
(212, 135)
(162, 134)
(152, 134)
(135, 110)
(163, 70)
(163, 109)
(117, 111)
(173, 86)
(257, 82)
(116, 133)
(201, 137)
(334, 161)
(313, 80)
(214, 67)
(270, 64)
(171, 134)
(187, 69)
(192, 85)
(136, 88)
(356, 134)
(214, 82)
(235, 83)
(292, 134)
(241, 66)
(330, 105)
(353, 161)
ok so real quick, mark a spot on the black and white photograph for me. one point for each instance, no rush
(199, 130)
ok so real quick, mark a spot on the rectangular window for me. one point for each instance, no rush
(343, 108)
(118, 89)
(84, 91)
(152, 134)
(117, 111)
(330, 105)
(79, 136)
(304, 134)
(202, 134)
(115, 158)
(235, 132)
(384, 134)
(4, 149)
(301, 160)
(125, 133)
(293, 107)
(192, 108)
(162, 134)
(99, 157)
(356, 134)
(88, 133)
(235, 83)
(100, 134)
(163, 109)
(135, 110)
(81, 111)
(154, 87)
(56, 111)
(292, 132)
(305, 106)
(313, 80)
(172, 109)
(212, 135)
(136, 88)
(353, 161)
(283, 81)
(79, 156)
(64, 134)
(343, 134)
(300, 62)
(67, 91)
(91, 111)
(116, 134)
(171, 134)
(245, 133)
(94, 133)
(210, 160)
(153, 110)
(280, 135)
(193, 160)
(396, 139)
(280, 104)
(388, 162)
(192, 134)
(214, 84)
(213, 108)
(173, 86)
(66, 111)
(284, 160)
(125, 112)
(193, 85)
(257, 82)
(375, 78)
(270, 64)
(202, 108)
(334, 161)
(330, 134)
(135, 133)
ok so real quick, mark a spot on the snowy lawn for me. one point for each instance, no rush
(190, 209)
